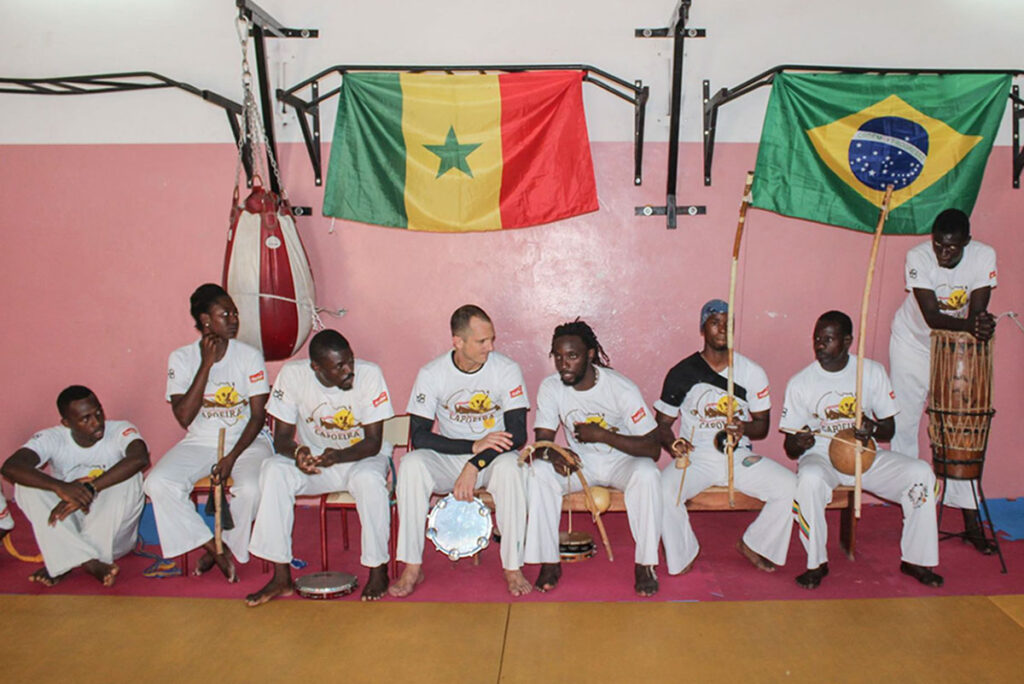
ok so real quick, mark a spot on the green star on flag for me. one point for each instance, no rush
(452, 154)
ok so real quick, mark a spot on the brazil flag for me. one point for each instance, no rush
(460, 152)
(831, 144)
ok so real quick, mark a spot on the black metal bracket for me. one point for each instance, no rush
(636, 93)
(265, 26)
(679, 32)
(1018, 113)
(724, 95)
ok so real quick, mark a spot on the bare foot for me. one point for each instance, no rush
(44, 578)
(406, 584)
(376, 583)
(812, 578)
(547, 578)
(105, 573)
(279, 585)
(756, 559)
(222, 561)
(646, 581)
(517, 583)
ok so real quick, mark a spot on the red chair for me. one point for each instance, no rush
(396, 431)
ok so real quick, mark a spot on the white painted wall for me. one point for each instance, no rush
(195, 41)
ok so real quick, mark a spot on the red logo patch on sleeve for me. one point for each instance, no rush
(256, 377)
(517, 392)
(381, 398)
(639, 415)
(129, 431)
(892, 394)
(763, 393)
(991, 274)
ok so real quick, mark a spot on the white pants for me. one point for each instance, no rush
(755, 476)
(107, 532)
(424, 471)
(180, 526)
(6, 519)
(636, 477)
(281, 481)
(910, 367)
(892, 476)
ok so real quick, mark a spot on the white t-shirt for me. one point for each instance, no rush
(69, 461)
(614, 403)
(468, 405)
(952, 287)
(697, 393)
(827, 402)
(330, 417)
(241, 374)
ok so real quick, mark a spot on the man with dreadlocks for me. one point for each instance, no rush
(608, 425)
(695, 389)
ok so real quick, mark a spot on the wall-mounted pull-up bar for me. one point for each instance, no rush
(635, 93)
(713, 102)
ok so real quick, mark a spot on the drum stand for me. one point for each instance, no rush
(939, 461)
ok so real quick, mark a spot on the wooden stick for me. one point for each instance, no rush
(731, 322)
(218, 498)
(858, 467)
(818, 433)
(592, 505)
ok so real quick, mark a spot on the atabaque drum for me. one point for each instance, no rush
(959, 403)
(459, 528)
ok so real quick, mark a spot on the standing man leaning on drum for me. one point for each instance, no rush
(329, 415)
(950, 280)
(821, 401)
(479, 400)
(606, 423)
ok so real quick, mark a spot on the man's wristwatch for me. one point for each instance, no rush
(91, 487)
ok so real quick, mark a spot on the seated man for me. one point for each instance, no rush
(821, 401)
(329, 414)
(86, 514)
(479, 400)
(695, 389)
(608, 425)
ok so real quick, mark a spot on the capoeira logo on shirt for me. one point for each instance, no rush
(712, 407)
(577, 416)
(337, 424)
(474, 408)
(836, 411)
(952, 300)
(225, 404)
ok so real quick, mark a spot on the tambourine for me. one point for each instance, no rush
(459, 528)
(325, 585)
(575, 546)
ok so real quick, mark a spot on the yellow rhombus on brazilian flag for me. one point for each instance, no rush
(831, 144)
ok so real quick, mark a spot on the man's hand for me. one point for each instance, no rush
(221, 471)
(210, 347)
(983, 326)
(62, 510)
(735, 429)
(306, 461)
(866, 430)
(681, 447)
(75, 493)
(499, 441)
(804, 439)
(587, 433)
(465, 483)
(328, 458)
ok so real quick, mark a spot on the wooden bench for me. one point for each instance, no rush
(717, 499)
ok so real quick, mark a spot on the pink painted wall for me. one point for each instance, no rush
(104, 243)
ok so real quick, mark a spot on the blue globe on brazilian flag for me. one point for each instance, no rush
(831, 144)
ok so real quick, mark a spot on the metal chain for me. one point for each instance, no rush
(252, 127)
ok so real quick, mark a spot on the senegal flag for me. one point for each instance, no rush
(831, 144)
(463, 152)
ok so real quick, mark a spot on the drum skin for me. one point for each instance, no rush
(267, 274)
(959, 403)
(842, 451)
(575, 546)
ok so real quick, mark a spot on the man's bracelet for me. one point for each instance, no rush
(295, 455)
(91, 487)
